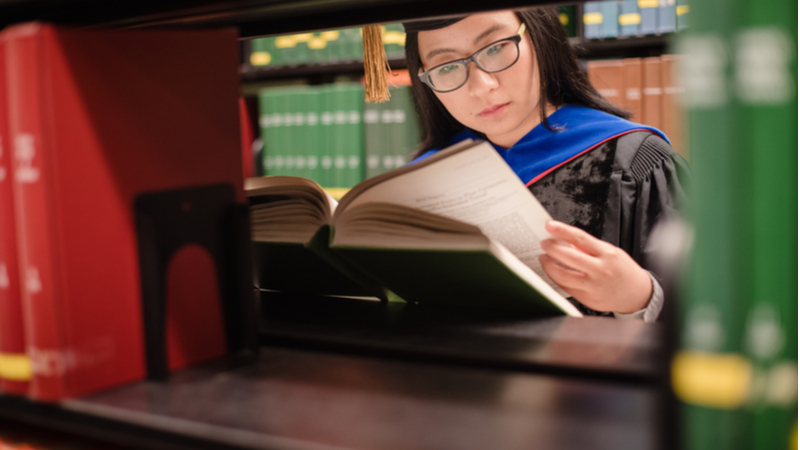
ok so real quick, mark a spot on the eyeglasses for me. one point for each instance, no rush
(495, 57)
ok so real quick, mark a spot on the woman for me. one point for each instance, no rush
(513, 79)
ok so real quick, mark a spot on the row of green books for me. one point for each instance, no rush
(322, 47)
(328, 134)
(611, 19)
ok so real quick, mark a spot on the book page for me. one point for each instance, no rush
(477, 187)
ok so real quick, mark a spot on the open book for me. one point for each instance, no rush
(458, 228)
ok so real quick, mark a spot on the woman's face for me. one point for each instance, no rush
(502, 105)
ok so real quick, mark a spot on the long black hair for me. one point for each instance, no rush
(562, 81)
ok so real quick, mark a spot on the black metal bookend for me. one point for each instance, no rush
(210, 217)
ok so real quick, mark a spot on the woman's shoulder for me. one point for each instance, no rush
(642, 152)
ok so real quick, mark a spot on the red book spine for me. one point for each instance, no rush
(15, 370)
(32, 178)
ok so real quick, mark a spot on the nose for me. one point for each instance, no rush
(480, 82)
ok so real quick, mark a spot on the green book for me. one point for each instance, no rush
(413, 233)
(765, 80)
(339, 141)
(290, 137)
(566, 14)
(394, 40)
(286, 46)
(301, 134)
(374, 138)
(282, 135)
(712, 310)
(313, 126)
(353, 48)
(262, 52)
(266, 106)
(327, 135)
(407, 119)
(354, 147)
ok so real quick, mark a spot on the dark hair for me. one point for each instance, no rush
(561, 79)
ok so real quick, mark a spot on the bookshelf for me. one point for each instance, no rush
(364, 383)
(368, 354)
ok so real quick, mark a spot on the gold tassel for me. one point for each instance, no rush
(376, 66)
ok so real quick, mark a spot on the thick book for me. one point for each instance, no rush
(456, 229)
(652, 91)
(648, 9)
(630, 19)
(632, 84)
(15, 367)
(606, 77)
(126, 163)
(673, 121)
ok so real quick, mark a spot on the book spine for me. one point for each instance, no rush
(652, 91)
(338, 108)
(632, 84)
(388, 133)
(667, 20)
(606, 77)
(649, 12)
(610, 10)
(672, 117)
(33, 173)
(326, 132)
(372, 138)
(354, 135)
(566, 15)
(765, 80)
(682, 13)
(592, 20)
(314, 136)
(712, 311)
(629, 18)
(15, 367)
(265, 105)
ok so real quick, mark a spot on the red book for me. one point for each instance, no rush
(15, 368)
(98, 119)
(247, 139)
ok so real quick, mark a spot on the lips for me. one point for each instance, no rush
(494, 110)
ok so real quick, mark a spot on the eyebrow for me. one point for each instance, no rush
(490, 30)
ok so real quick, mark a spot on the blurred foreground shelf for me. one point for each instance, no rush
(294, 399)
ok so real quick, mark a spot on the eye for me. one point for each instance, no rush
(495, 49)
(446, 69)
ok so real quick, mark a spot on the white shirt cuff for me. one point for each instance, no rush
(652, 310)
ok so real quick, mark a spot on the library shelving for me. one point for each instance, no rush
(336, 374)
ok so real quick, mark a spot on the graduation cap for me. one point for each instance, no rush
(376, 64)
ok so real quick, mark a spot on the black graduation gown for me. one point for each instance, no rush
(617, 192)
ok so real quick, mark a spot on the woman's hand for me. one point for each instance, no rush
(596, 273)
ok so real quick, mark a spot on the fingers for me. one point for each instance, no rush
(576, 237)
(568, 279)
(571, 256)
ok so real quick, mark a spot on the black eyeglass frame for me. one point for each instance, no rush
(516, 39)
